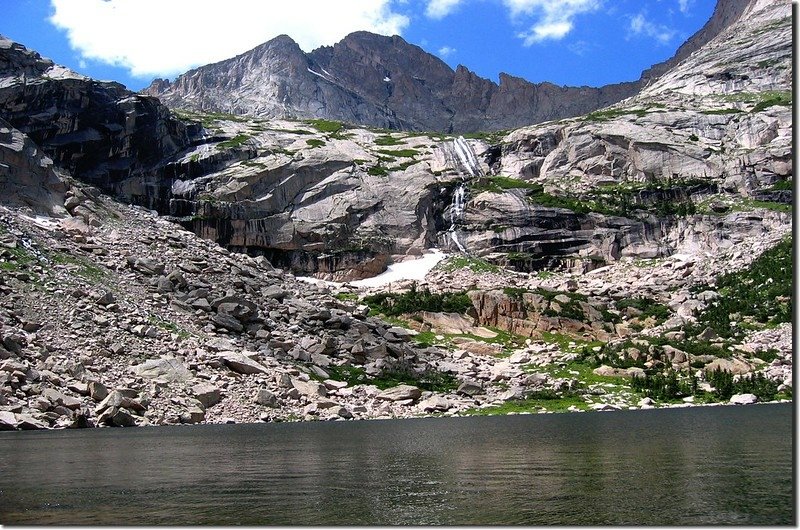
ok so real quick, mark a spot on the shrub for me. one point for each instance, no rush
(391, 304)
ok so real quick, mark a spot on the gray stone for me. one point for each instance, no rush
(207, 394)
(97, 390)
(469, 388)
(165, 368)
(435, 404)
(743, 399)
(266, 398)
(242, 364)
(400, 393)
(8, 421)
(228, 322)
(310, 388)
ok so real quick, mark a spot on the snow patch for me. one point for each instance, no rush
(414, 269)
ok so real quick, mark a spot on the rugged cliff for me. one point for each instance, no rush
(99, 131)
(377, 81)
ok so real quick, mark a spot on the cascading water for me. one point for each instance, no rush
(462, 157)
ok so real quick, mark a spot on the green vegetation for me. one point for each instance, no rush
(782, 185)
(491, 137)
(346, 297)
(760, 295)
(331, 129)
(771, 99)
(80, 266)
(398, 375)
(402, 153)
(208, 119)
(547, 401)
(315, 143)
(234, 142)
(623, 200)
(671, 385)
(465, 262)
(647, 306)
(761, 100)
(387, 140)
(377, 171)
(721, 111)
(326, 126)
(171, 327)
(392, 304)
(604, 115)
(498, 184)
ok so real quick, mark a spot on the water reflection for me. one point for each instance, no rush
(691, 466)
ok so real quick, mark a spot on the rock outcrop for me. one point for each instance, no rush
(98, 131)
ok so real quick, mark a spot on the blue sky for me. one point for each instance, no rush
(567, 42)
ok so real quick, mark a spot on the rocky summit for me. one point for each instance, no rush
(200, 264)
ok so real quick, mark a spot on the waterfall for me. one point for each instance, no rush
(463, 159)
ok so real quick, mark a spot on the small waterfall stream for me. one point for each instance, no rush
(460, 154)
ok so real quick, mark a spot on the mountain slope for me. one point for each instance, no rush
(386, 82)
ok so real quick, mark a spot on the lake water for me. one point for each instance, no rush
(706, 466)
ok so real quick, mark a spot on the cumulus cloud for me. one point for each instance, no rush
(165, 38)
(553, 18)
(446, 51)
(641, 26)
(437, 9)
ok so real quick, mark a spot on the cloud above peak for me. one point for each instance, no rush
(553, 18)
(165, 38)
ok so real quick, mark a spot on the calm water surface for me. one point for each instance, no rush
(711, 465)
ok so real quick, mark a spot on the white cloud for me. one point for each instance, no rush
(165, 38)
(446, 51)
(441, 8)
(641, 26)
(554, 18)
(685, 5)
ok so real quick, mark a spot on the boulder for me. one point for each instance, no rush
(8, 421)
(400, 393)
(116, 417)
(734, 366)
(207, 394)
(435, 404)
(310, 388)
(117, 399)
(470, 388)
(166, 368)
(242, 364)
(266, 398)
(26, 422)
(97, 390)
(228, 322)
(743, 399)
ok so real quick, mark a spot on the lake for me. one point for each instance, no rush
(699, 466)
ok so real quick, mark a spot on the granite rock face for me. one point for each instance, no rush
(98, 131)
(377, 81)
(28, 177)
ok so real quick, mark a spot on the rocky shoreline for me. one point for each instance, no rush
(114, 316)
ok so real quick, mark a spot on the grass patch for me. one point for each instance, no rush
(81, 267)
(234, 142)
(402, 153)
(315, 142)
(535, 404)
(387, 140)
(464, 262)
(498, 184)
(605, 115)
